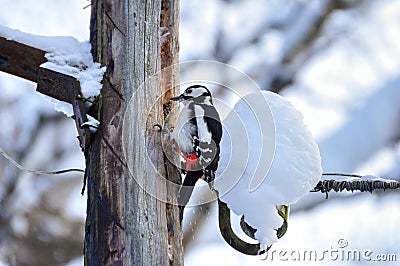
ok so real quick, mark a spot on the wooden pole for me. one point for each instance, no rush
(131, 218)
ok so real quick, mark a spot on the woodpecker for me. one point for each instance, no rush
(197, 133)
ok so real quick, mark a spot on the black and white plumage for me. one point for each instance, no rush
(197, 133)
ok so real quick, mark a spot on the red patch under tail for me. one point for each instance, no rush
(191, 161)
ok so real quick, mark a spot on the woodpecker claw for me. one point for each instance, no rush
(158, 126)
(211, 186)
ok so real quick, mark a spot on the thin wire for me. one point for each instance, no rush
(39, 172)
(341, 174)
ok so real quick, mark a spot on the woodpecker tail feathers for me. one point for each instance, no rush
(186, 190)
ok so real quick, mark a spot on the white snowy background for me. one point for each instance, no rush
(337, 61)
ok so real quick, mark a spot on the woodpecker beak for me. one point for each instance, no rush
(177, 98)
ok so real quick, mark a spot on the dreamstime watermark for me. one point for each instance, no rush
(342, 252)
(227, 85)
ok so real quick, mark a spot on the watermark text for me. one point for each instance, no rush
(340, 253)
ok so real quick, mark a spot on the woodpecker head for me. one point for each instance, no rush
(195, 92)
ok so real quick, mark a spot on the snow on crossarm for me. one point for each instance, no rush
(65, 55)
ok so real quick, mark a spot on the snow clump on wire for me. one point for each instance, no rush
(268, 158)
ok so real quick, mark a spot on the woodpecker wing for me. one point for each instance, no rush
(209, 132)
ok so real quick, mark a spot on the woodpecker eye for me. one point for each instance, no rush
(189, 91)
